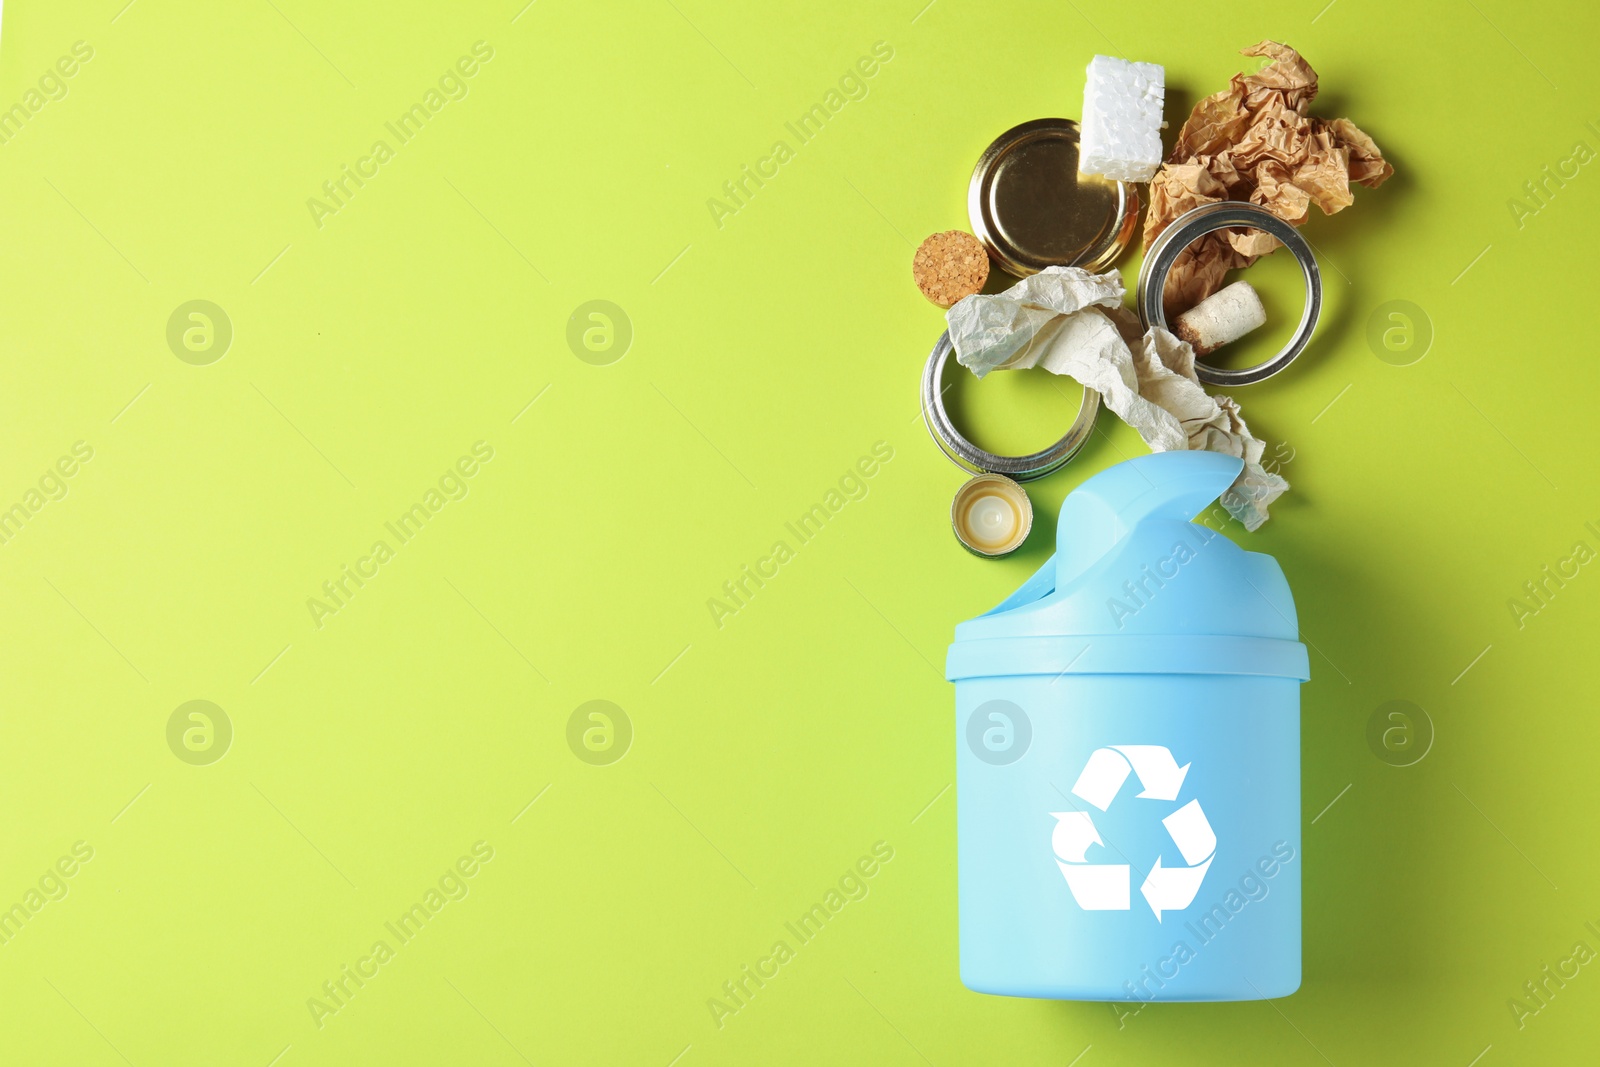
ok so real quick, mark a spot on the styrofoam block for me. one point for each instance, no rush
(1120, 136)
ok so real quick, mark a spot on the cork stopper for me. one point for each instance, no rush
(949, 266)
(1220, 318)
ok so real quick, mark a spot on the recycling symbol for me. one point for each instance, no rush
(1105, 886)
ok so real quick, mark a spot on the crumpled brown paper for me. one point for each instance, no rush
(1253, 141)
(1073, 323)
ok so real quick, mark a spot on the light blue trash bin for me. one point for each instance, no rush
(1128, 756)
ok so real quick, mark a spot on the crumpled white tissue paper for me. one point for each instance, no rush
(1073, 323)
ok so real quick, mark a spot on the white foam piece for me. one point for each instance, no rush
(1120, 136)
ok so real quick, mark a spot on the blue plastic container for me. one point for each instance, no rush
(1128, 756)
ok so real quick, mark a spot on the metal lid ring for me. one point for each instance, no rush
(968, 456)
(1209, 218)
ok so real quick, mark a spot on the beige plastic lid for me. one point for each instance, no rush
(1032, 209)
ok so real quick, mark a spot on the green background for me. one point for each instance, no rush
(768, 354)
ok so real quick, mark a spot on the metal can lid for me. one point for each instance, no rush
(1032, 209)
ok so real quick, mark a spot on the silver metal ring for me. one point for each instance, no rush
(1209, 218)
(968, 456)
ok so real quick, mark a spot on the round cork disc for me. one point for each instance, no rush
(949, 266)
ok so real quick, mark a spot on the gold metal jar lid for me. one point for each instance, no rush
(1032, 209)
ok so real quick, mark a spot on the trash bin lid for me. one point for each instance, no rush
(1136, 587)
